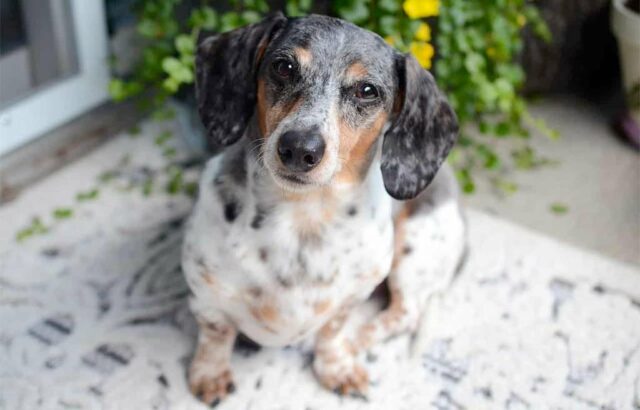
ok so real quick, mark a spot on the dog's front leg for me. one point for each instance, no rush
(402, 315)
(210, 376)
(335, 362)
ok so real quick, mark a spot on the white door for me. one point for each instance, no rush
(53, 65)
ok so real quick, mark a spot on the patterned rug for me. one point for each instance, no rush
(93, 312)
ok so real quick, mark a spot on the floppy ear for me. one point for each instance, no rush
(421, 135)
(226, 66)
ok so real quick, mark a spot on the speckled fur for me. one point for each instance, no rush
(281, 261)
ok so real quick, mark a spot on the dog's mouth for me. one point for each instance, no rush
(294, 183)
(297, 180)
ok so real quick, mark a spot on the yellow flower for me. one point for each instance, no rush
(521, 20)
(423, 52)
(390, 40)
(423, 33)
(421, 8)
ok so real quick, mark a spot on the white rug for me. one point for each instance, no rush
(93, 314)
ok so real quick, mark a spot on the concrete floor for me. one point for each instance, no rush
(598, 178)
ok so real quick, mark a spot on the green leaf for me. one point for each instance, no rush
(35, 228)
(121, 90)
(135, 131)
(175, 181)
(169, 152)
(191, 189)
(355, 11)
(474, 62)
(171, 85)
(391, 6)
(465, 180)
(229, 21)
(62, 213)
(490, 158)
(148, 28)
(87, 195)
(250, 17)
(116, 90)
(388, 25)
(164, 113)
(526, 158)
(147, 187)
(502, 129)
(559, 208)
(177, 70)
(163, 137)
(204, 18)
(506, 187)
(106, 176)
(185, 44)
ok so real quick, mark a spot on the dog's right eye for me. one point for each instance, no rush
(284, 68)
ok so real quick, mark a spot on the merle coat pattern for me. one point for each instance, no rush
(296, 222)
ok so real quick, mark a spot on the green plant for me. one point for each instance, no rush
(477, 45)
(167, 60)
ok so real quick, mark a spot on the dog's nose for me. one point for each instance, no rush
(301, 151)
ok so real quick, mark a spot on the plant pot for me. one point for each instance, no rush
(626, 27)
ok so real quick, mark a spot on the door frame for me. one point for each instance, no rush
(67, 98)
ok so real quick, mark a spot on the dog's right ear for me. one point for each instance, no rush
(226, 66)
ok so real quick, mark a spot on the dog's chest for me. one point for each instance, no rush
(282, 277)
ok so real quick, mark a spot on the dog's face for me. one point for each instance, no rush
(323, 91)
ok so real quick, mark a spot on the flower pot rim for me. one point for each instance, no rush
(620, 6)
(625, 22)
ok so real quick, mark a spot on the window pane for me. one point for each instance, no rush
(37, 47)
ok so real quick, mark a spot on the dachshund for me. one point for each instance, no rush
(331, 183)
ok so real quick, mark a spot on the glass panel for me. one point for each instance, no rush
(37, 46)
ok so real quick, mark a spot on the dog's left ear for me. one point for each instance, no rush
(226, 66)
(421, 135)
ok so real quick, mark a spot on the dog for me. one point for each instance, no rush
(331, 183)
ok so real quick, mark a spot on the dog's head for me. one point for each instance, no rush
(323, 91)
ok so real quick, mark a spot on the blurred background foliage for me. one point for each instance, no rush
(471, 46)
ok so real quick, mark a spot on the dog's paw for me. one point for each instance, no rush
(351, 381)
(212, 389)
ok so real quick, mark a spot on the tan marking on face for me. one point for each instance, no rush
(270, 116)
(262, 108)
(355, 148)
(321, 306)
(303, 56)
(356, 71)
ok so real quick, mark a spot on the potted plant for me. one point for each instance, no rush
(470, 46)
(625, 21)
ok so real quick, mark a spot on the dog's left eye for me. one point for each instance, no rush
(366, 91)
